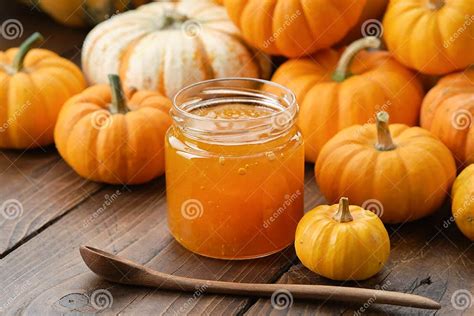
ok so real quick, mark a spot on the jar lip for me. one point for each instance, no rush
(291, 103)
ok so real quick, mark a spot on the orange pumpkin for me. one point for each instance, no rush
(108, 137)
(401, 179)
(463, 202)
(448, 112)
(431, 36)
(342, 242)
(294, 27)
(34, 84)
(334, 95)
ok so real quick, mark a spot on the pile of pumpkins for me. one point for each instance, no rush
(347, 90)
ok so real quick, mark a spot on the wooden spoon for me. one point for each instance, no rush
(124, 271)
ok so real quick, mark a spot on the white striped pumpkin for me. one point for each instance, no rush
(165, 46)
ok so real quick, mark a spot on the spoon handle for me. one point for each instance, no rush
(301, 291)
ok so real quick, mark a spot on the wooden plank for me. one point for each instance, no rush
(38, 187)
(426, 259)
(38, 183)
(132, 225)
(429, 257)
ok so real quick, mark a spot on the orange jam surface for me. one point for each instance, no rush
(234, 201)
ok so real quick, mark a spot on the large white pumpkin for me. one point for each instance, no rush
(165, 46)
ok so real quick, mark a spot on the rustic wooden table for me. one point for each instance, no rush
(41, 271)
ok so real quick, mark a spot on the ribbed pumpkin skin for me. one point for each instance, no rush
(463, 202)
(410, 181)
(355, 250)
(128, 149)
(326, 107)
(432, 41)
(448, 112)
(294, 28)
(30, 99)
(147, 57)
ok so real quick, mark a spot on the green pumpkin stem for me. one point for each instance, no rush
(119, 103)
(342, 71)
(384, 137)
(343, 214)
(27, 45)
(171, 17)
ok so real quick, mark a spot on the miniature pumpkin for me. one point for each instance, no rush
(402, 178)
(431, 36)
(166, 46)
(333, 95)
(342, 242)
(448, 112)
(35, 83)
(294, 28)
(463, 202)
(109, 137)
(78, 13)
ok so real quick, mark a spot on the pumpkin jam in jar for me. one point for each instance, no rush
(234, 168)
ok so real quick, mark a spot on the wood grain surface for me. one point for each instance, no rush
(41, 271)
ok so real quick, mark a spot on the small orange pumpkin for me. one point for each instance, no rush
(432, 36)
(294, 28)
(34, 84)
(337, 91)
(402, 178)
(448, 112)
(463, 202)
(107, 137)
(342, 242)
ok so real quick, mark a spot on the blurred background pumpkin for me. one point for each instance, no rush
(432, 36)
(294, 28)
(166, 46)
(80, 13)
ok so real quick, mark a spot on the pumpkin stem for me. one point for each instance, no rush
(171, 17)
(119, 103)
(384, 138)
(25, 47)
(343, 214)
(436, 4)
(342, 71)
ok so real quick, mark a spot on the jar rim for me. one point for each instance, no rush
(235, 90)
(291, 104)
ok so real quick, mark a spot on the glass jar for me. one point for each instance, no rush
(234, 168)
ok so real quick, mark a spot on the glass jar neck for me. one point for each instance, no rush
(273, 108)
